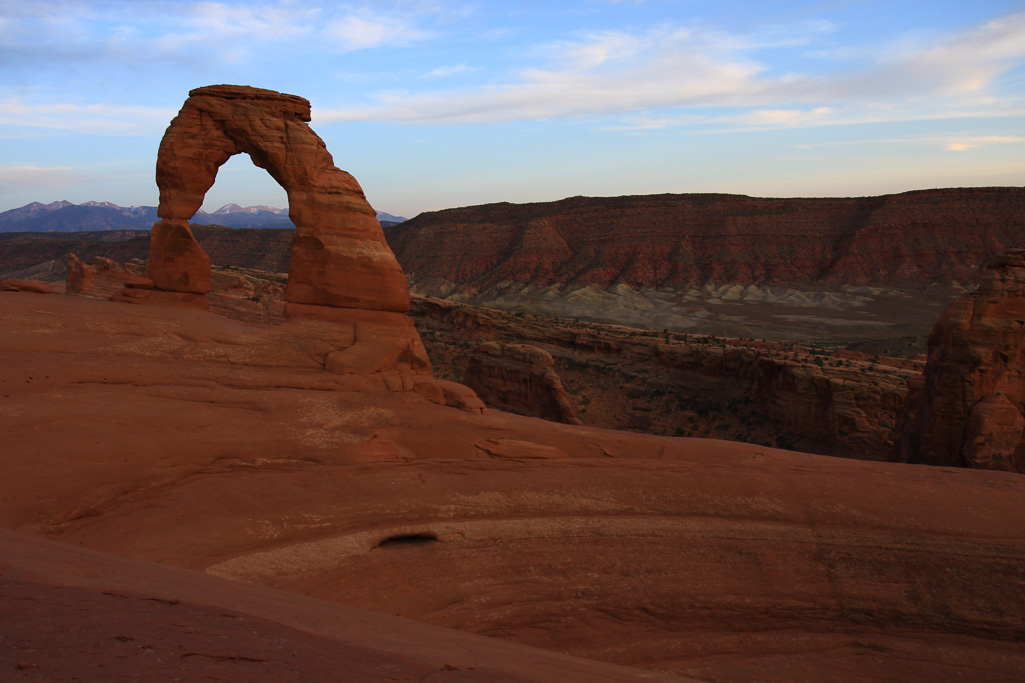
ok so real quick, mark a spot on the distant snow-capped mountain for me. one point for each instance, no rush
(63, 216)
(235, 208)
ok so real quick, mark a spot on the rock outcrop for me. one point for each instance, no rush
(341, 269)
(968, 410)
(20, 285)
(102, 277)
(519, 378)
(240, 293)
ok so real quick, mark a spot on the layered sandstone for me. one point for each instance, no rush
(341, 269)
(519, 378)
(102, 277)
(677, 242)
(339, 255)
(239, 293)
(21, 285)
(969, 408)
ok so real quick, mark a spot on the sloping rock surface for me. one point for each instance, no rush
(155, 622)
(176, 436)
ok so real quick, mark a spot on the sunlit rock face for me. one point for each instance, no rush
(341, 268)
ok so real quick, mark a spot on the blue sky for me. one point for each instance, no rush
(440, 103)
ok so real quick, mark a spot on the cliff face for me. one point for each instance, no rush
(968, 409)
(678, 241)
(839, 403)
(519, 378)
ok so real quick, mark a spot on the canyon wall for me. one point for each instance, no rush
(788, 395)
(519, 378)
(968, 409)
(683, 241)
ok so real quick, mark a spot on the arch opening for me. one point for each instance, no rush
(340, 268)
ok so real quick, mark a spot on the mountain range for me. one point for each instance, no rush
(63, 216)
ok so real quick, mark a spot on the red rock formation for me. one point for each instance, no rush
(839, 403)
(341, 268)
(102, 277)
(339, 256)
(18, 285)
(969, 409)
(249, 295)
(677, 241)
(519, 378)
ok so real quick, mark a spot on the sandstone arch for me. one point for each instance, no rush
(339, 254)
(341, 269)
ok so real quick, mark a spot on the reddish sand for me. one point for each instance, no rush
(175, 436)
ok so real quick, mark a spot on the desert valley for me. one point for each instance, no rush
(665, 437)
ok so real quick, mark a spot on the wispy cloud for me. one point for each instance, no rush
(37, 176)
(965, 143)
(369, 29)
(602, 73)
(669, 74)
(443, 71)
(116, 32)
(100, 119)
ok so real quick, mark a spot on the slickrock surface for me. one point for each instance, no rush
(682, 241)
(968, 409)
(78, 615)
(519, 378)
(172, 435)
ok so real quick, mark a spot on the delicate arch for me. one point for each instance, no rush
(339, 255)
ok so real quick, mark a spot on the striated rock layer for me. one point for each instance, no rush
(519, 378)
(101, 277)
(836, 402)
(968, 409)
(680, 241)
